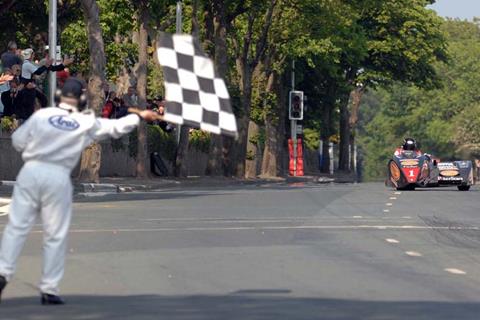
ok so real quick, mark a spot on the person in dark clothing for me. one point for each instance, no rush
(165, 126)
(27, 102)
(10, 57)
(8, 99)
(121, 110)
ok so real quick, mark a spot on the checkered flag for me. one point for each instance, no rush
(195, 95)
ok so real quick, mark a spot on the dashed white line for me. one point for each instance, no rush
(389, 204)
(406, 217)
(393, 198)
(389, 240)
(455, 271)
(398, 192)
(413, 253)
(357, 217)
(386, 210)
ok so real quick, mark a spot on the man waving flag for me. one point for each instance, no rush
(195, 95)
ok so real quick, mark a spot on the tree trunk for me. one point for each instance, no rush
(251, 161)
(272, 152)
(355, 98)
(241, 145)
(180, 169)
(216, 162)
(91, 157)
(142, 149)
(343, 159)
(180, 166)
(325, 167)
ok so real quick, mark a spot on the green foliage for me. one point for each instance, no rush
(199, 140)
(8, 124)
(117, 26)
(311, 138)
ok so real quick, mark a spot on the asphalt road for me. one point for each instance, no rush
(268, 252)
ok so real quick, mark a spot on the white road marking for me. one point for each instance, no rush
(386, 210)
(239, 220)
(413, 253)
(398, 192)
(406, 217)
(389, 240)
(389, 204)
(393, 198)
(455, 271)
(4, 206)
(252, 228)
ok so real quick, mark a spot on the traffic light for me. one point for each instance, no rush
(295, 105)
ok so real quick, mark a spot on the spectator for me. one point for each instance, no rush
(10, 57)
(29, 69)
(16, 71)
(164, 125)
(106, 90)
(4, 86)
(130, 99)
(26, 101)
(121, 110)
(61, 77)
(8, 99)
(109, 109)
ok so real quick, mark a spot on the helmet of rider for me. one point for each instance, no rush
(409, 144)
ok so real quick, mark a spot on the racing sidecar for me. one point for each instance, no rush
(409, 169)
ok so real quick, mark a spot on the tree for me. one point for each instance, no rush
(249, 43)
(403, 41)
(142, 152)
(91, 157)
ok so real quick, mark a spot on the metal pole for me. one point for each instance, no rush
(178, 30)
(331, 155)
(179, 24)
(52, 44)
(294, 127)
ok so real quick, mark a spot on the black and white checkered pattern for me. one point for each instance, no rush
(194, 94)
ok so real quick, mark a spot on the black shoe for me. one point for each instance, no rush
(3, 284)
(51, 299)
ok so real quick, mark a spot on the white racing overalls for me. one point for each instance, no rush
(51, 142)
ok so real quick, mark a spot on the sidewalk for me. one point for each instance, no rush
(131, 184)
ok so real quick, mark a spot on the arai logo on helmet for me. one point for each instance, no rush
(63, 123)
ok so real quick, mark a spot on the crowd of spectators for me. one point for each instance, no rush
(116, 107)
(27, 89)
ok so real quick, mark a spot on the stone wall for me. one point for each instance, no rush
(115, 163)
(118, 163)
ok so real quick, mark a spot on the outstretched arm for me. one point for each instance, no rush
(5, 77)
(115, 128)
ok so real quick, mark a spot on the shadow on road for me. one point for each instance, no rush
(145, 196)
(228, 307)
(180, 193)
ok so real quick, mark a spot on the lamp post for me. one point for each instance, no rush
(293, 127)
(178, 30)
(52, 45)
